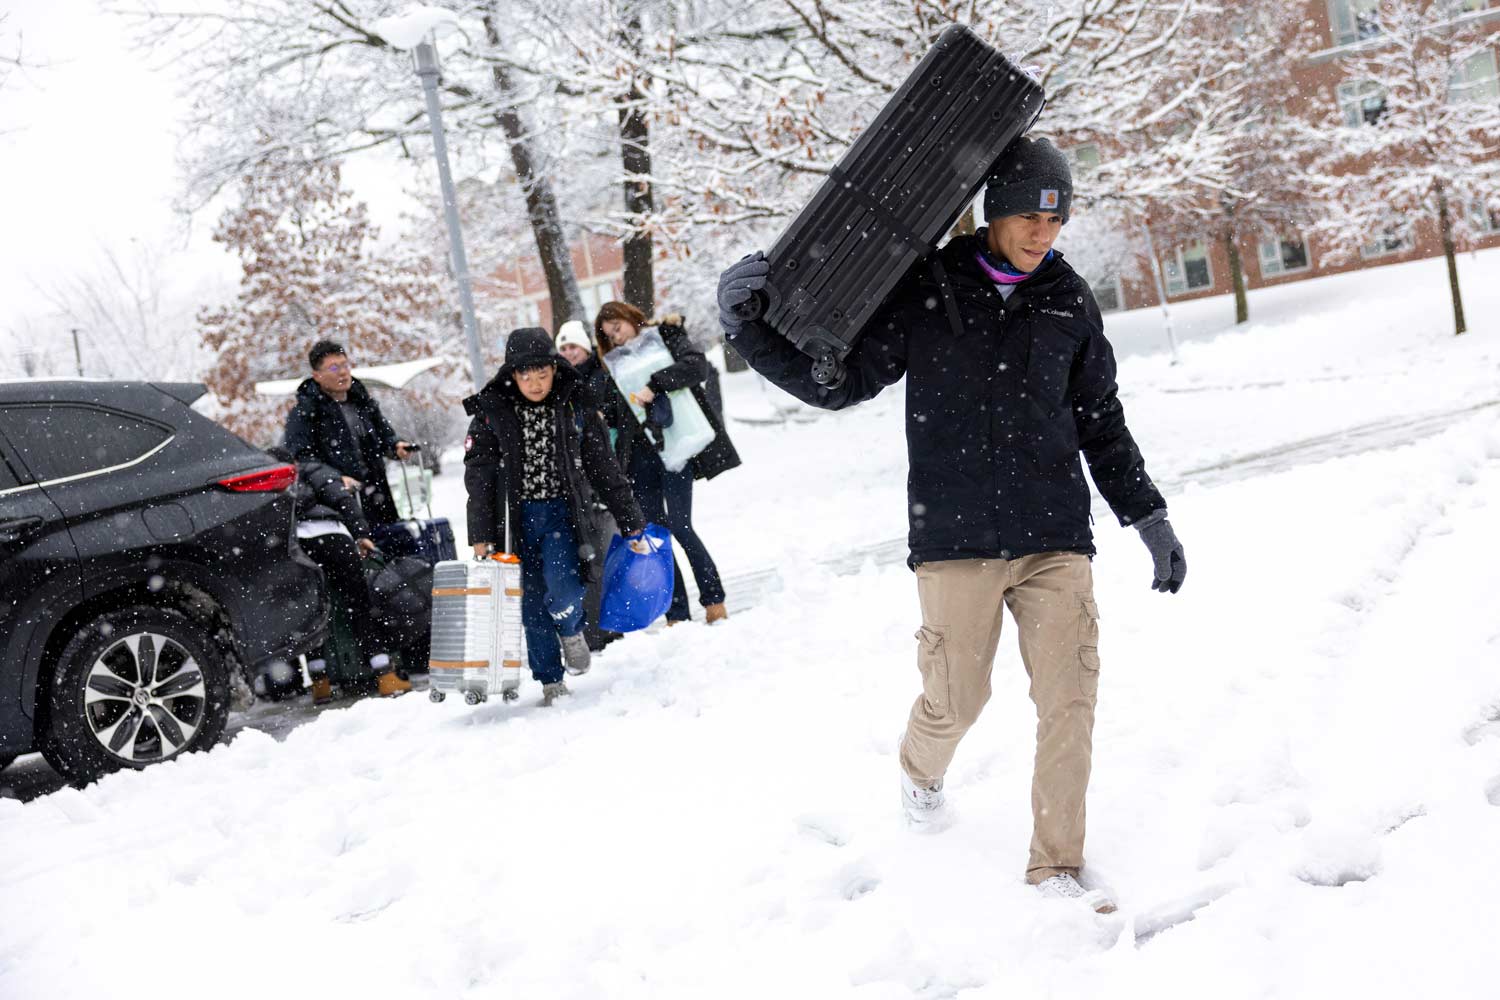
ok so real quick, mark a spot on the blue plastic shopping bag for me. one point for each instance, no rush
(637, 588)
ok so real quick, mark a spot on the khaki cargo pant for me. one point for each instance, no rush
(1051, 599)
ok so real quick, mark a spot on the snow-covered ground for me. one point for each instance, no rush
(1296, 788)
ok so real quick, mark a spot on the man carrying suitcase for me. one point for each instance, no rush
(1009, 378)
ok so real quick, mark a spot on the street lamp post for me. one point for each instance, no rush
(427, 71)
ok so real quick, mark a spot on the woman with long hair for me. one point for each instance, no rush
(666, 496)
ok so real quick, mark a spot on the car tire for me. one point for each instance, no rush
(133, 688)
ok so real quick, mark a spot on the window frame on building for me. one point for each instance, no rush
(1484, 87)
(1394, 239)
(1085, 157)
(1354, 96)
(1281, 242)
(1353, 21)
(1175, 268)
(1484, 220)
(1108, 288)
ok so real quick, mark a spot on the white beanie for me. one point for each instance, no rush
(575, 333)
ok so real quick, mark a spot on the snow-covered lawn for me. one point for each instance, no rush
(1301, 750)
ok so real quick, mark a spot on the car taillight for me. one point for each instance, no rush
(271, 480)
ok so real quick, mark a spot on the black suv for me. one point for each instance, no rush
(146, 555)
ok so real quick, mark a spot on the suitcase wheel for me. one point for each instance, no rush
(511, 694)
(472, 697)
(752, 308)
(828, 370)
(434, 695)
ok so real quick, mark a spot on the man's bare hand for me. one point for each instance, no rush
(481, 550)
(350, 483)
(366, 547)
(644, 395)
(403, 448)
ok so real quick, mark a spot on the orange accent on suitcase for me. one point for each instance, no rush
(512, 593)
(460, 591)
(458, 664)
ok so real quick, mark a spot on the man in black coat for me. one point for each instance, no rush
(1009, 378)
(337, 422)
(533, 459)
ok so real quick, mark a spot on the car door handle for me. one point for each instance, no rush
(13, 529)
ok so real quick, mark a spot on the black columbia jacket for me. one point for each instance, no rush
(492, 462)
(1001, 398)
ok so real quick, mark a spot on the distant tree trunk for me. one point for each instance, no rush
(1445, 223)
(541, 204)
(635, 157)
(1236, 265)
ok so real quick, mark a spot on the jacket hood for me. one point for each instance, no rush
(503, 388)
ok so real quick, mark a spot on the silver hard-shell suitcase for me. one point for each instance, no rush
(478, 644)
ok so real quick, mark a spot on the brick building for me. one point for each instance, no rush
(598, 263)
(1202, 268)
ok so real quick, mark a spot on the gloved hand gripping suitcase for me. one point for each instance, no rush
(892, 196)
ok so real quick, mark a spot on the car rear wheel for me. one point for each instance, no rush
(133, 688)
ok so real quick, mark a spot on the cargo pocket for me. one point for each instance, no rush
(1088, 647)
(932, 661)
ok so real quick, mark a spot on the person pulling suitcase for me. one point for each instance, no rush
(534, 457)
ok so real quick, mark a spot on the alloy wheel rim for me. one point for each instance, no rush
(144, 698)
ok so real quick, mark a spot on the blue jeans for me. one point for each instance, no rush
(667, 499)
(551, 593)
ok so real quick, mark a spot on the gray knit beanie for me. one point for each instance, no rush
(1032, 175)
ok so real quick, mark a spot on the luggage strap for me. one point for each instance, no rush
(917, 243)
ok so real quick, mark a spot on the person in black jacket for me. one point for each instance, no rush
(337, 422)
(333, 531)
(1008, 378)
(667, 496)
(532, 461)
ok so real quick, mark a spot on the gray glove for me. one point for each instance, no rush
(1166, 552)
(737, 286)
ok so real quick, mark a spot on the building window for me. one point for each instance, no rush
(1188, 270)
(1484, 220)
(1085, 157)
(1361, 102)
(1108, 294)
(1282, 255)
(1353, 20)
(1392, 239)
(1475, 79)
(594, 297)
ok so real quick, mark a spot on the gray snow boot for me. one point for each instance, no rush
(552, 692)
(575, 654)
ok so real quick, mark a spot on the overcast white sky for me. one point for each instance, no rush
(87, 158)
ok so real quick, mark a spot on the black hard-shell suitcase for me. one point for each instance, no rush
(896, 191)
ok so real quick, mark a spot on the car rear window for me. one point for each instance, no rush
(57, 440)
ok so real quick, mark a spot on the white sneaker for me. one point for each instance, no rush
(926, 808)
(1066, 887)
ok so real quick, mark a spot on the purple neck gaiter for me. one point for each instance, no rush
(1003, 273)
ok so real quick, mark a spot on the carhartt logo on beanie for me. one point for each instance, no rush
(1031, 176)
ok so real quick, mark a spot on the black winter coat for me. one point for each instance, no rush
(492, 462)
(1001, 397)
(316, 431)
(320, 495)
(689, 370)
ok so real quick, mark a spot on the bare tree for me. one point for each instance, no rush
(130, 319)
